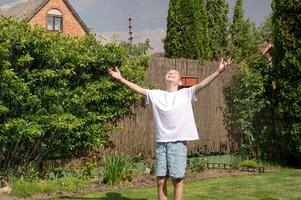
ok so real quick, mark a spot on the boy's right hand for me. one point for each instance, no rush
(115, 73)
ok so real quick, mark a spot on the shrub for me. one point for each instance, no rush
(90, 170)
(57, 100)
(196, 165)
(117, 168)
(248, 108)
(235, 162)
(32, 174)
(58, 173)
(250, 163)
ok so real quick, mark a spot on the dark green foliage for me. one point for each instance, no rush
(243, 41)
(187, 30)
(287, 73)
(57, 100)
(264, 31)
(218, 27)
(245, 95)
(172, 44)
(263, 104)
(196, 164)
(203, 45)
(248, 109)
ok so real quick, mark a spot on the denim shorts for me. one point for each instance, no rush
(171, 158)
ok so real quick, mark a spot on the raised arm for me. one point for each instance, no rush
(222, 66)
(117, 75)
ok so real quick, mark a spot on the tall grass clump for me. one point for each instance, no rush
(117, 168)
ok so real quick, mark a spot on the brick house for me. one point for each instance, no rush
(54, 15)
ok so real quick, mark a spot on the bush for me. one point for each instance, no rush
(90, 171)
(32, 174)
(248, 111)
(250, 163)
(117, 168)
(58, 173)
(235, 162)
(57, 100)
(196, 165)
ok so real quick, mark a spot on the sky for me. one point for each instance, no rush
(109, 17)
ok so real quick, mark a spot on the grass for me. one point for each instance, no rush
(25, 189)
(282, 185)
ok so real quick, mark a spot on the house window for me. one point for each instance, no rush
(55, 20)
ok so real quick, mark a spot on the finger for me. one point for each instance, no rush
(229, 61)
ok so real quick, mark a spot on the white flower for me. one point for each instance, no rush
(147, 170)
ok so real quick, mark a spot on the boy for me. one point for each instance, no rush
(174, 120)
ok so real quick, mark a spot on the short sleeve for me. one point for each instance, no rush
(149, 96)
(190, 92)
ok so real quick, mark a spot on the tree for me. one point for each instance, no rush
(200, 10)
(139, 49)
(187, 31)
(286, 22)
(217, 27)
(172, 44)
(264, 31)
(243, 41)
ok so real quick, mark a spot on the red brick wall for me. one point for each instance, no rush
(70, 25)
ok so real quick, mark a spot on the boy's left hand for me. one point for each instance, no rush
(224, 64)
(115, 73)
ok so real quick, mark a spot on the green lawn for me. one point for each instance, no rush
(23, 188)
(285, 184)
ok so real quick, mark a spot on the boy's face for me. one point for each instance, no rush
(173, 77)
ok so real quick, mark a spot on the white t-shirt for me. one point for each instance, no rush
(173, 114)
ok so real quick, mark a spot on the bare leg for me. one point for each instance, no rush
(178, 189)
(162, 187)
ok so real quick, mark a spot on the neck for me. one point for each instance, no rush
(171, 88)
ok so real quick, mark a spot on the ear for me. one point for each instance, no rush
(180, 83)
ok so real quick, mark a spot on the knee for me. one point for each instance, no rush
(178, 181)
(161, 182)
